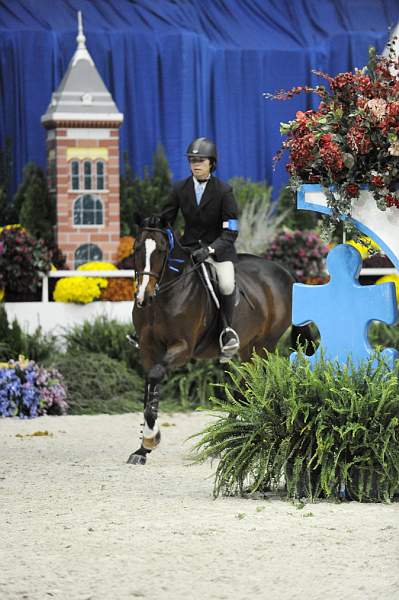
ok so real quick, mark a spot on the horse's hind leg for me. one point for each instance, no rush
(151, 433)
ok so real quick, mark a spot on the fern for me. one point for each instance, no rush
(327, 431)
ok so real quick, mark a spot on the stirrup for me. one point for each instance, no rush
(133, 340)
(232, 345)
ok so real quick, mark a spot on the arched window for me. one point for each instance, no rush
(88, 210)
(87, 175)
(100, 174)
(75, 183)
(86, 253)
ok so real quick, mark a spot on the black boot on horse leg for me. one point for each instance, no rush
(228, 340)
(151, 434)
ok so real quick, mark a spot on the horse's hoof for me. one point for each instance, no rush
(149, 443)
(139, 457)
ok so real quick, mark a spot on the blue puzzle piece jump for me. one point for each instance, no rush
(343, 309)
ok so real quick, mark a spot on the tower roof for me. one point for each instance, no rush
(82, 95)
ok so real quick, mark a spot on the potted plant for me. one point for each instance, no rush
(351, 139)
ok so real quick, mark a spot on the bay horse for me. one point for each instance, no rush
(176, 319)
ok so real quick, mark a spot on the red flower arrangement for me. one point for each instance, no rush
(352, 138)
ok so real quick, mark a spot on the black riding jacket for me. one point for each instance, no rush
(213, 223)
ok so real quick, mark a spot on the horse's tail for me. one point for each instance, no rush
(302, 337)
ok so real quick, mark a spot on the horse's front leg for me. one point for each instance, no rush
(151, 437)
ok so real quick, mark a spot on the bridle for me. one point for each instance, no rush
(157, 276)
(168, 262)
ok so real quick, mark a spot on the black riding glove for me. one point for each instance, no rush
(200, 255)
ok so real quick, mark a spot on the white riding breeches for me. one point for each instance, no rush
(225, 274)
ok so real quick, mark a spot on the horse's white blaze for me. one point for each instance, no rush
(150, 246)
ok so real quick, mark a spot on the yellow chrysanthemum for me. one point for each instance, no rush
(98, 266)
(395, 279)
(83, 289)
(1, 294)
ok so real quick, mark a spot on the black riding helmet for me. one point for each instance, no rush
(203, 148)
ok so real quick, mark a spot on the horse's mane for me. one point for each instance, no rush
(158, 222)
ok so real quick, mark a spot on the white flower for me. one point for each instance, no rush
(377, 107)
(394, 149)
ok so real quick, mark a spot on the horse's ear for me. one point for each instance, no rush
(163, 221)
(155, 221)
(138, 219)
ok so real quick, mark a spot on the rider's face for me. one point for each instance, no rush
(200, 167)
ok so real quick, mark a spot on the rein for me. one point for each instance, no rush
(167, 286)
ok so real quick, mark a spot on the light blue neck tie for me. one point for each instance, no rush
(199, 190)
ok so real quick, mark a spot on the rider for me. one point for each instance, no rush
(211, 228)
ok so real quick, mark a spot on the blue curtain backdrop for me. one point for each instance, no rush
(179, 69)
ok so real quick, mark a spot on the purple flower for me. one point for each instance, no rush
(27, 390)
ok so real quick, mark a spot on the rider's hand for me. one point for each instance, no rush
(200, 255)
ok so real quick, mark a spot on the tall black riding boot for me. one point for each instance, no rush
(229, 340)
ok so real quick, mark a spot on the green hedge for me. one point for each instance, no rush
(98, 384)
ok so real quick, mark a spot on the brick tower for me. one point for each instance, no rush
(82, 123)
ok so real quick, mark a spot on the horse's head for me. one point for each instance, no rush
(150, 258)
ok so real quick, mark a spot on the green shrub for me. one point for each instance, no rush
(35, 206)
(192, 386)
(384, 335)
(185, 388)
(14, 342)
(294, 218)
(106, 336)
(99, 384)
(246, 191)
(326, 432)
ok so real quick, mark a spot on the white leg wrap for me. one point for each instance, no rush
(151, 437)
(150, 433)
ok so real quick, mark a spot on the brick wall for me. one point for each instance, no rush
(69, 236)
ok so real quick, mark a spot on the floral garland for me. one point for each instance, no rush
(352, 139)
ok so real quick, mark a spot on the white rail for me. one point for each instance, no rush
(129, 273)
(381, 271)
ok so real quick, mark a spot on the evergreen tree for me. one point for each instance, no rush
(15, 340)
(126, 200)
(34, 204)
(3, 323)
(8, 214)
(161, 174)
(144, 197)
